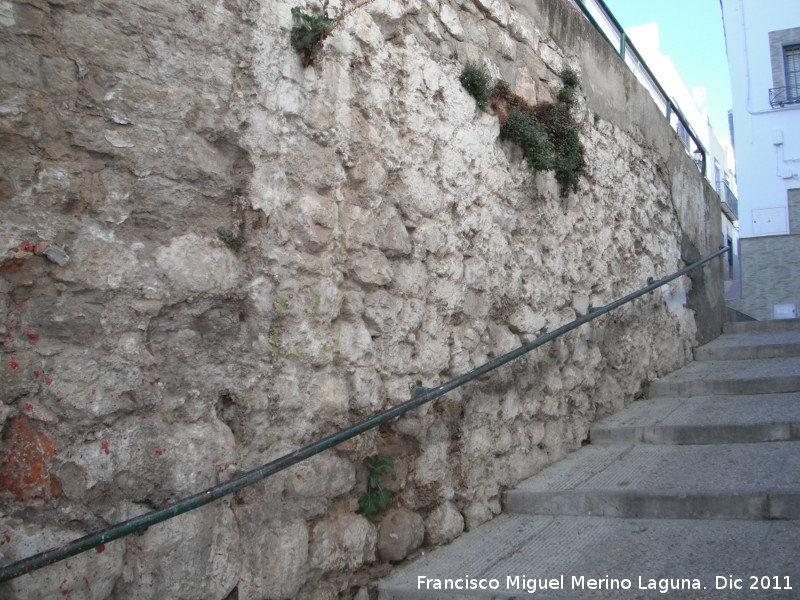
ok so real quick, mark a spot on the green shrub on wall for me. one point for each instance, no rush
(567, 159)
(476, 80)
(376, 497)
(546, 132)
(524, 129)
(310, 30)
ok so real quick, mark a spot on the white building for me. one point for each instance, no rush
(763, 46)
(671, 95)
(720, 163)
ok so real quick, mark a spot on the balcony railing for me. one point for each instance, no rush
(606, 23)
(781, 96)
(729, 199)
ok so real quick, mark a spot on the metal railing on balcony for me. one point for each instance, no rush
(729, 199)
(781, 96)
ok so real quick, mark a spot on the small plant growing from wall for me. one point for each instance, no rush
(524, 129)
(570, 78)
(311, 29)
(376, 497)
(233, 241)
(546, 132)
(476, 80)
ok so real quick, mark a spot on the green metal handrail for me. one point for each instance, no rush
(144, 521)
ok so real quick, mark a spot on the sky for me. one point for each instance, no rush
(692, 36)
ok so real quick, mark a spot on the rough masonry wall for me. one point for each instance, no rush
(389, 236)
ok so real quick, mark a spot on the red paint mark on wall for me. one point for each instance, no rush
(48, 380)
(104, 446)
(11, 265)
(159, 452)
(13, 362)
(24, 457)
(36, 374)
(101, 548)
(133, 399)
(33, 339)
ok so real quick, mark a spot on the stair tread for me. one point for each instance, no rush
(748, 346)
(760, 326)
(552, 546)
(698, 411)
(709, 506)
(723, 468)
(737, 370)
(761, 338)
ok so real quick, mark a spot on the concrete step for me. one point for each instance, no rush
(512, 551)
(751, 345)
(761, 326)
(730, 377)
(704, 420)
(729, 481)
(709, 501)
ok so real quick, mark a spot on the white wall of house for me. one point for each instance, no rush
(767, 138)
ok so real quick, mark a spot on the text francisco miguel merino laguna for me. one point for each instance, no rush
(532, 585)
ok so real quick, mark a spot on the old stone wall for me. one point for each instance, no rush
(386, 235)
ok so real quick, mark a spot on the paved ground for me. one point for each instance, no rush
(693, 493)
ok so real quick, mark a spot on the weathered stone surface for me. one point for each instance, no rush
(324, 475)
(380, 233)
(196, 555)
(345, 541)
(401, 532)
(92, 575)
(444, 524)
(274, 561)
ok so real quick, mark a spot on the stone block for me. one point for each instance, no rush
(444, 524)
(324, 475)
(92, 575)
(450, 20)
(345, 541)
(401, 531)
(274, 560)
(193, 265)
(195, 555)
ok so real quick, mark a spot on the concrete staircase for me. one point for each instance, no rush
(693, 493)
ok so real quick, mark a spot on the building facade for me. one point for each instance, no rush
(763, 45)
(720, 162)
